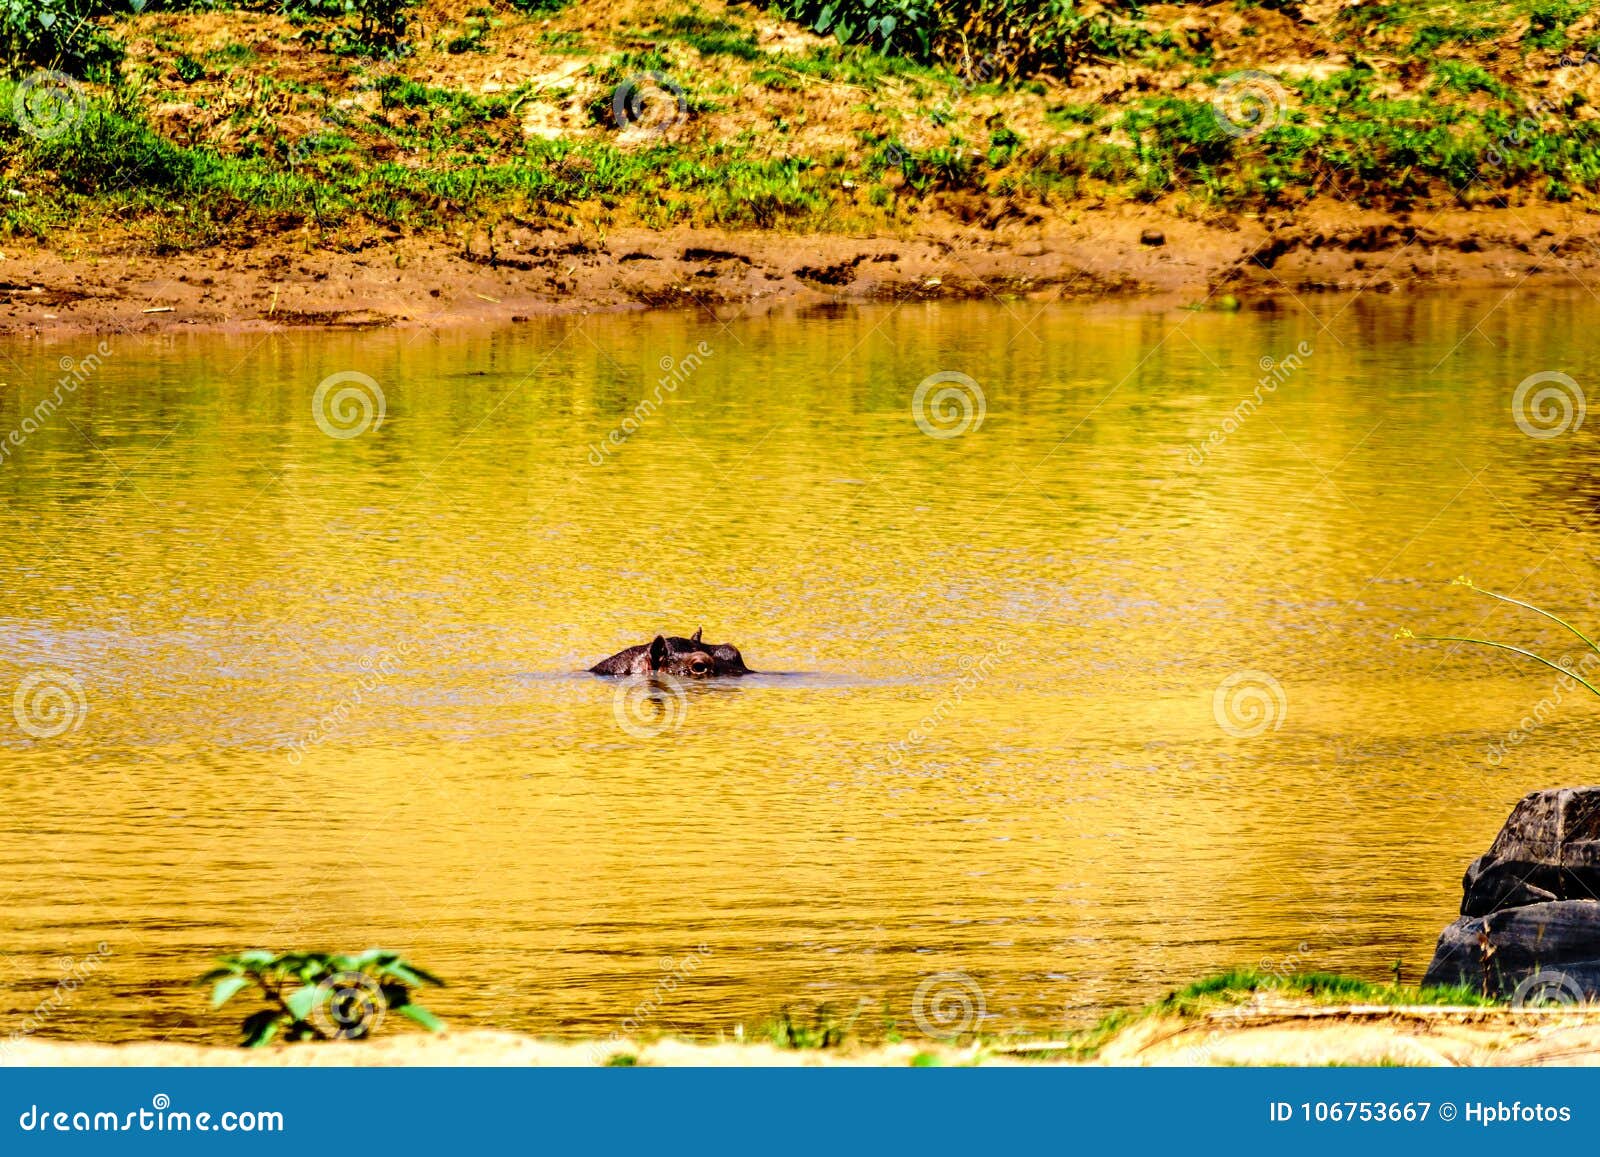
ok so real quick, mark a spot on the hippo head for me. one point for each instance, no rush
(676, 656)
(693, 659)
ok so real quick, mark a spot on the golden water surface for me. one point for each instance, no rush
(1059, 708)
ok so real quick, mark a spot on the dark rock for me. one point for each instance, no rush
(1548, 850)
(1152, 237)
(1530, 907)
(1549, 951)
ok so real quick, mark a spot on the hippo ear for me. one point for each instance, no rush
(658, 653)
(696, 637)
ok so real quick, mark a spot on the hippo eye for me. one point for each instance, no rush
(699, 666)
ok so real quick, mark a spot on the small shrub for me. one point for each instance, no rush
(320, 996)
(985, 40)
(57, 34)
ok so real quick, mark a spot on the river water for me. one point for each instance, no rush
(1078, 688)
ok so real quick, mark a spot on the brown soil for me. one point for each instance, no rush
(102, 270)
(418, 282)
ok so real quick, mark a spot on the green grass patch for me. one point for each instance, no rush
(822, 1029)
(1239, 986)
(711, 37)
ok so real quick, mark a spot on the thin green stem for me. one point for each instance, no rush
(1592, 645)
(1518, 650)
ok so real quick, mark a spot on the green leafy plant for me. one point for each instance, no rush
(897, 27)
(1565, 669)
(56, 34)
(986, 40)
(319, 995)
(380, 29)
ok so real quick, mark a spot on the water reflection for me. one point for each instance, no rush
(407, 613)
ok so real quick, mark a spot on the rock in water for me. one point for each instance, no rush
(1530, 908)
(1553, 946)
(1548, 850)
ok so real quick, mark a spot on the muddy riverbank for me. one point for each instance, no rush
(418, 283)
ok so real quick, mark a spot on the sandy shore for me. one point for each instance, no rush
(412, 282)
(468, 1049)
(1263, 1032)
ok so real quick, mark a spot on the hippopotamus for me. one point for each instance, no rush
(674, 655)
